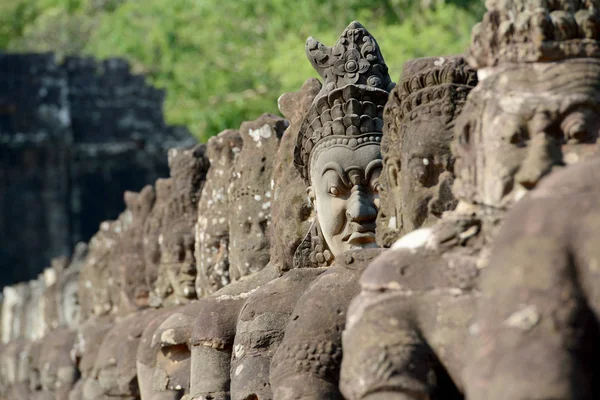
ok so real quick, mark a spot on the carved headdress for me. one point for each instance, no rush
(524, 31)
(428, 87)
(348, 111)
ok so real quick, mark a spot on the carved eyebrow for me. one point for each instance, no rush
(373, 165)
(332, 165)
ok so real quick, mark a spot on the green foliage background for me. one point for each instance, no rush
(225, 61)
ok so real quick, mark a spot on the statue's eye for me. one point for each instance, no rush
(334, 191)
(420, 167)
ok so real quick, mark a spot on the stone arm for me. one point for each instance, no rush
(306, 365)
(147, 354)
(213, 334)
(533, 335)
(260, 328)
(385, 353)
(211, 346)
(380, 346)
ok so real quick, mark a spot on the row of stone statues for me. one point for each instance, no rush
(382, 242)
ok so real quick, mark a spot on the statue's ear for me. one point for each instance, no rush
(311, 197)
(393, 175)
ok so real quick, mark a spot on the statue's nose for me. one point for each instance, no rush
(544, 152)
(443, 199)
(361, 205)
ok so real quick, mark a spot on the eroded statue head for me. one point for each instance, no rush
(212, 228)
(176, 283)
(537, 105)
(250, 195)
(419, 121)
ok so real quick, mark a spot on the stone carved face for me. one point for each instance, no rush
(533, 117)
(212, 238)
(250, 236)
(345, 193)
(178, 255)
(420, 180)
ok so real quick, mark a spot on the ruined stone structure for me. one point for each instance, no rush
(73, 138)
(432, 239)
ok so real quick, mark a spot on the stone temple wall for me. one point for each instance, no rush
(73, 137)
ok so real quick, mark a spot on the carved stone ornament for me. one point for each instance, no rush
(525, 31)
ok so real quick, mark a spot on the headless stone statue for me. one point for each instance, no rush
(406, 332)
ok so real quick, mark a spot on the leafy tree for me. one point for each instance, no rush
(225, 61)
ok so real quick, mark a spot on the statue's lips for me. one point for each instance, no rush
(361, 238)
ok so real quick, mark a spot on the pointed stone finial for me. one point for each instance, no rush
(355, 59)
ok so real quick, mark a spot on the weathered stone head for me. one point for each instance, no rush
(35, 325)
(420, 116)
(69, 307)
(13, 303)
(176, 282)
(131, 291)
(95, 278)
(250, 195)
(537, 102)
(291, 212)
(153, 229)
(51, 296)
(212, 228)
(338, 149)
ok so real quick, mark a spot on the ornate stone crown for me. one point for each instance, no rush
(348, 111)
(522, 31)
(436, 86)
